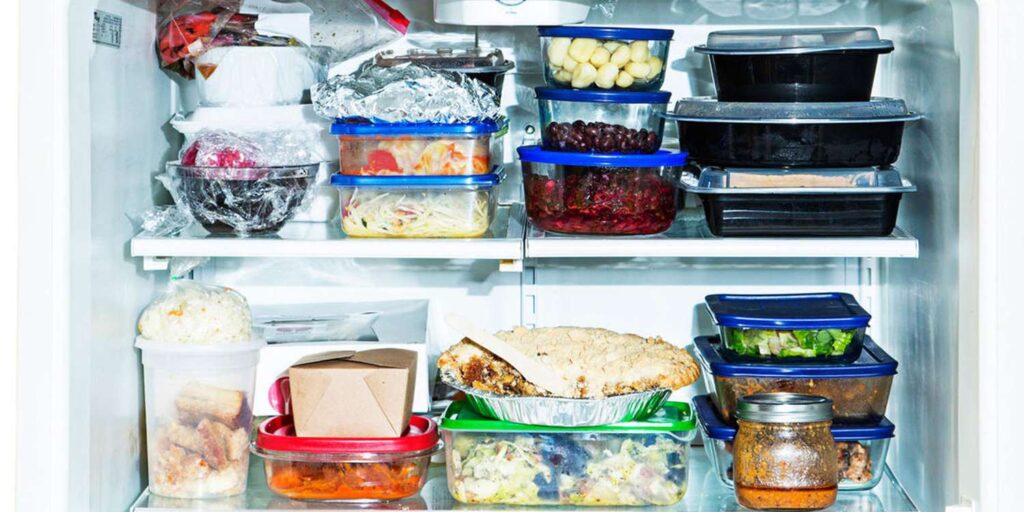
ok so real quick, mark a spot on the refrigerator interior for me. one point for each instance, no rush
(120, 103)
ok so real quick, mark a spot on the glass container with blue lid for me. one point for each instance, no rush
(604, 57)
(860, 449)
(859, 390)
(789, 328)
(601, 121)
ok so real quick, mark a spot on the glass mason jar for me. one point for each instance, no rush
(784, 455)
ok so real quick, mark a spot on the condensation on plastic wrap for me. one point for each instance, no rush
(404, 93)
(354, 27)
(606, 8)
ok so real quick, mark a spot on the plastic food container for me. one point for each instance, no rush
(598, 194)
(485, 64)
(241, 200)
(254, 76)
(198, 416)
(352, 469)
(820, 135)
(859, 390)
(418, 206)
(806, 64)
(415, 149)
(792, 328)
(604, 57)
(601, 121)
(860, 449)
(636, 463)
(779, 202)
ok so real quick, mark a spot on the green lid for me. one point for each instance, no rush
(672, 417)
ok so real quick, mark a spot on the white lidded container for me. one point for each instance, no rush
(322, 203)
(198, 416)
(254, 76)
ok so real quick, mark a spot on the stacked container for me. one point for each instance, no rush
(794, 144)
(599, 169)
(798, 343)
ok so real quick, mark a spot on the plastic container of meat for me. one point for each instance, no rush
(601, 121)
(613, 58)
(424, 149)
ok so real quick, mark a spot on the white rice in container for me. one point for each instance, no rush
(195, 314)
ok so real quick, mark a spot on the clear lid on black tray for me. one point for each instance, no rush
(470, 60)
(708, 109)
(794, 41)
(714, 180)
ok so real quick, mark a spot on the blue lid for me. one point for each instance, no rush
(596, 96)
(713, 426)
(788, 312)
(348, 127)
(478, 180)
(649, 34)
(536, 154)
(873, 362)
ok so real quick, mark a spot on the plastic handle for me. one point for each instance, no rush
(280, 395)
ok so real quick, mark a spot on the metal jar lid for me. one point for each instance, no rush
(784, 408)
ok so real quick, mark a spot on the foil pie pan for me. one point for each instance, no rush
(562, 412)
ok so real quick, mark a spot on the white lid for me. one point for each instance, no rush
(794, 40)
(250, 119)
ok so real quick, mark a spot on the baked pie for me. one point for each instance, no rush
(599, 362)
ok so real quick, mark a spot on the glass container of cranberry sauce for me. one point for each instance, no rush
(784, 455)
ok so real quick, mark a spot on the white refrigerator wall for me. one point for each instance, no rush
(118, 137)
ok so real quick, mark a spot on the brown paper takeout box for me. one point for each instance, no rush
(353, 394)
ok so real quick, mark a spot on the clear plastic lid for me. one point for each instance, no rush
(708, 109)
(794, 40)
(713, 180)
(470, 60)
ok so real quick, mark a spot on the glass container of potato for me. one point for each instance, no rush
(609, 58)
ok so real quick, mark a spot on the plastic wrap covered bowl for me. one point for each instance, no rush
(255, 76)
(241, 200)
(597, 194)
(601, 121)
(860, 449)
(345, 469)
(859, 390)
(795, 65)
(604, 57)
(636, 463)
(414, 149)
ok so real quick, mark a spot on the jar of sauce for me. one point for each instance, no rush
(784, 455)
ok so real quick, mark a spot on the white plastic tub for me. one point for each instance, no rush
(254, 76)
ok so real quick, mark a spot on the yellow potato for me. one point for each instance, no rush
(611, 46)
(582, 48)
(600, 57)
(620, 57)
(563, 76)
(569, 64)
(606, 76)
(638, 69)
(638, 51)
(624, 80)
(656, 67)
(558, 49)
(584, 75)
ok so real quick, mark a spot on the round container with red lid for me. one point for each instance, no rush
(345, 469)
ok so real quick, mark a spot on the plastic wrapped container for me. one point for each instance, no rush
(485, 64)
(415, 149)
(198, 416)
(353, 469)
(636, 463)
(772, 135)
(860, 449)
(804, 64)
(597, 194)
(859, 390)
(792, 328)
(418, 206)
(241, 200)
(255, 76)
(601, 121)
(779, 202)
(604, 57)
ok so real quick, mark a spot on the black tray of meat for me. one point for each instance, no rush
(773, 135)
(241, 200)
(787, 65)
(833, 203)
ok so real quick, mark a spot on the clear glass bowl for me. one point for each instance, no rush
(602, 122)
(604, 57)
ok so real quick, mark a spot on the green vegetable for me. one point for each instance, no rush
(799, 343)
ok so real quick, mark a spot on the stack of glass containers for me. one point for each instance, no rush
(794, 144)
(599, 169)
(798, 343)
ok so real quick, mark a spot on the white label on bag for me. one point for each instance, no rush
(106, 28)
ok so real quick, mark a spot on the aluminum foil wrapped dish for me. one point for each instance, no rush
(615, 377)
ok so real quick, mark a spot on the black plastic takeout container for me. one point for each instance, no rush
(795, 65)
(772, 135)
